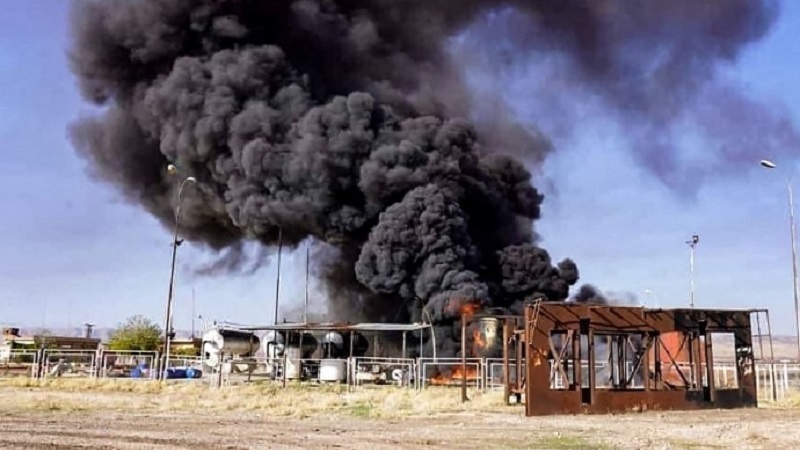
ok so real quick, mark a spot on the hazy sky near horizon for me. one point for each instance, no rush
(74, 251)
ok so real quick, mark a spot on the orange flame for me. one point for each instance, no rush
(469, 309)
(478, 342)
(457, 375)
(463, 307)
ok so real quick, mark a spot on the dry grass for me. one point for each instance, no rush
(791, 401)
(294, 401)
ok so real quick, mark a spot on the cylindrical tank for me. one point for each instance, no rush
(332, 344)
(230, 342)
(332, 370)
(305, 342)
(337, 345)
(273, 344)
(293, 363)
(490, 333)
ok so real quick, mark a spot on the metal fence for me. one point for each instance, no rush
(18, 363)
(778, 380)
(775, 380)
(128, 364)
(69, 364)
(62, 363)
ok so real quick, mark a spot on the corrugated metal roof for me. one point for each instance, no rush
(328, 326)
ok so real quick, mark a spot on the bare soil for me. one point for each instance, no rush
(153, 417)
(741, 429)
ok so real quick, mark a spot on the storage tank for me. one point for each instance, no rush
(337, 345)
(332, 370)
(490, 335)
(233, 343)
(273, 344)
(298, 346)
(305, 343)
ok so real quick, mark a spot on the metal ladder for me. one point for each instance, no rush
(537, 306)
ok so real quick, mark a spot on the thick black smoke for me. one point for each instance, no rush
(337, 120)
(656, 70)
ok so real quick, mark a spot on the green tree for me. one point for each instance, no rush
(137, 333)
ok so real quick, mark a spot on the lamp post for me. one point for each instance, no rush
(771, 165)
(692, 244)
(175, 243)
(278, 275)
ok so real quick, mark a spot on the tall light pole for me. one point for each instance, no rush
(192, 312)
(692, 244)
(278, 275)
(168, 331)
(305, 304)
(792, 231)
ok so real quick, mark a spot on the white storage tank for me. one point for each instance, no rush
(273, 344)
(332, 370)
(233, 343)
(293, 363)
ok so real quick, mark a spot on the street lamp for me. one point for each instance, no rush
(168, 331)
(692, 244)
(771, 165)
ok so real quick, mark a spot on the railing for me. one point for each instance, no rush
(777, 380)
(69, 363)
(774, 380)
(129, 364)
(372, 370)
(19, 363)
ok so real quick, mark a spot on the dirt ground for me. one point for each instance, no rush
(45, 424)
(762, 429)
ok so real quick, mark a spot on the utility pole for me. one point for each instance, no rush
(193, 316)
(305, 307)
(692, 244)
(278, 277)
(795, 287)
(168, 330)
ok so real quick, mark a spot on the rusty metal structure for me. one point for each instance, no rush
(580, 358)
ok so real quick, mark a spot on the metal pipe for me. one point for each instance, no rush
(305, 306)
(193, 300)
(175, 244)
(278, 277)
(433, 333)
(692, 244)
(463, 359)
(691, 270)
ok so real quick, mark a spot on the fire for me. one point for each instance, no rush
(457, 375)
(469, 309)
(478, 342)
(462, 307)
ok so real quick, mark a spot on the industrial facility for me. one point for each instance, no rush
(559, 357)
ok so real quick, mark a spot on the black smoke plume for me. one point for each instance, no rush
(343, 121)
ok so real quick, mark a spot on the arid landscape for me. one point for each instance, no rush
(123, 415)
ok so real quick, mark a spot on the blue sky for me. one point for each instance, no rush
(73, 251)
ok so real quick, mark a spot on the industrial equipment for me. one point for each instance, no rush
(221, 345)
